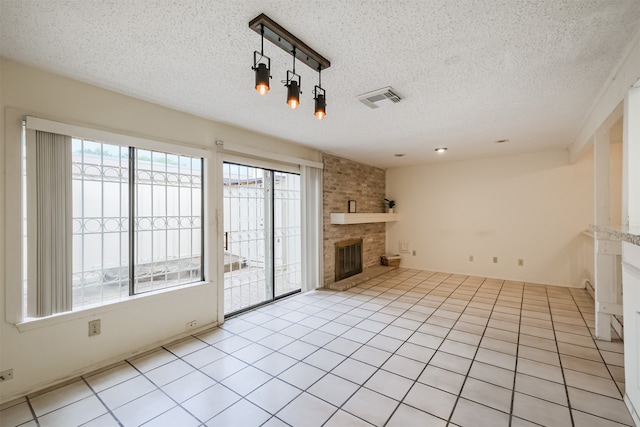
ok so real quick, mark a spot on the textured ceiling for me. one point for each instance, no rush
(470, 72)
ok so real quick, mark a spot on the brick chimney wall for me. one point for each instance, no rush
(345, 180)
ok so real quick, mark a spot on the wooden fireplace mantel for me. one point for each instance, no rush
(362, 218)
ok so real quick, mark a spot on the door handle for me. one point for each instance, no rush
(226, 240)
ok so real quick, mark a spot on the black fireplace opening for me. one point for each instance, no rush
(348, 258)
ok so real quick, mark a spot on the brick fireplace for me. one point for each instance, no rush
(345, 180)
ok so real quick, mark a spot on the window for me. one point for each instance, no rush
(168, 220)
(100, 245)
(136, 223)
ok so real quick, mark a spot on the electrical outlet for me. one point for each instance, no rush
(520, 262)
(495, 259)
(94, 327)
(6, 375)
(190, 325)
(470, 257)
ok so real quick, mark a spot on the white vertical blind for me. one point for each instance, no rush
(312, 264)
(53, 188)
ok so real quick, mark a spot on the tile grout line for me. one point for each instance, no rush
(464, 381)
(33, 412)
(279, 331)
(603, 360)
(415, 381)
(159, 388)
(477, 288)
(319, 347)
(394, 352)
(515, 367)
(77, 379)
(338, 408)
(555, 338)
(560, 354)
(596, 344)
(109, 411)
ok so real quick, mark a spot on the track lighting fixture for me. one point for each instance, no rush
(319, 97)
(293, 85)
(272, 31)
(261, 69)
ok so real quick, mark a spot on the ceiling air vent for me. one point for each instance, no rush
(380, 98)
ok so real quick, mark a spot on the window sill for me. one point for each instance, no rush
(91, 312)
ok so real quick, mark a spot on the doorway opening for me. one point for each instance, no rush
(262, 236)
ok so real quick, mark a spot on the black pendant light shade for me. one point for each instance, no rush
(321, 107)
(293, 85)
(319, 96)
(262, 78)
(293, 94)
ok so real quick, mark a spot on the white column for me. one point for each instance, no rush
(631, 253)
(631, 158)
(604, 267)
(215, 202)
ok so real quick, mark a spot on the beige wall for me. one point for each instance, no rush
(56, 350)
(345, 180)
(532, 207)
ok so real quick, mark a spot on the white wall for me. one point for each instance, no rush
(530, 206)
(60, 349)
(615, 182)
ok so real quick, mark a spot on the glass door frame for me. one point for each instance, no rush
(269, 227)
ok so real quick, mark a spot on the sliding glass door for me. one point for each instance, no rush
(262, 236)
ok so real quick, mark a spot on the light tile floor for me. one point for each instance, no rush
(409, 348)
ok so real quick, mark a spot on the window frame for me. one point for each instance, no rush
(271, 278)
(15, 310)
(132, 263)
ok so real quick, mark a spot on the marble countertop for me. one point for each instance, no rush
(628, 234)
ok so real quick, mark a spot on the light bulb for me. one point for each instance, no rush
(262, 89)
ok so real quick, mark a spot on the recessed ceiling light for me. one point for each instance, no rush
(399, 154)
(500, 141)
(441, 149)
